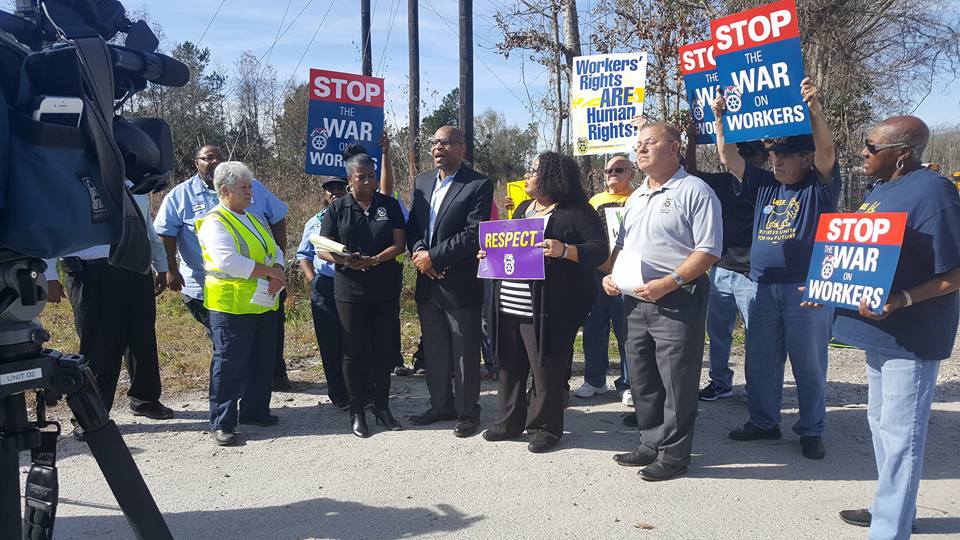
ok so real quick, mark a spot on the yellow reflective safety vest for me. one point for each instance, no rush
(228, 294)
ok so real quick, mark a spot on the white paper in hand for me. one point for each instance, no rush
(627, 272)
(322, 243)
(261, 297)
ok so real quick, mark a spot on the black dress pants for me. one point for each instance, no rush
(368, 350)
(114, 311)
(518, 356)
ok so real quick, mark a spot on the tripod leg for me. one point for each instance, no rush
(112, 455)
(10, 494)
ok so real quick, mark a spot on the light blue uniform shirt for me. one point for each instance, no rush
(192, 199)
(306, 251)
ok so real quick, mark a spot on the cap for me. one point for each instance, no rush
(791, 145)
(327, 180)
(750, 148)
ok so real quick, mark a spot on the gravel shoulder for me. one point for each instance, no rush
(309, 477)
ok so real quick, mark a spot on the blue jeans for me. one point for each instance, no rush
(900, 395)
(778, 327)
(244, 351)
(731, 293)
(607, 312)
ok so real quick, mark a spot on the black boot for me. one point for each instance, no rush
(385, 417)
(359, 423)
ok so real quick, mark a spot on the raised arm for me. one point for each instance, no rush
(825, 156)
(729, 155)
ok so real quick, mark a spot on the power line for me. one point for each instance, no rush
(386, 41)
(217, 12)
(315, 32)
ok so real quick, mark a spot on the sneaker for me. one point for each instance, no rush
(812, 447)
(751, 432)
(588, 390)
(712, 392)
(627, 398)
(860, 517)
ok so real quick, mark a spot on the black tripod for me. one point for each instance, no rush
(26, 366)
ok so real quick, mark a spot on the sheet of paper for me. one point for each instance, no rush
(261, 297)
(322, 243)
(614, 217)
(627, 274)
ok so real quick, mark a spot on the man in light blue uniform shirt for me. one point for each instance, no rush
(174, 223)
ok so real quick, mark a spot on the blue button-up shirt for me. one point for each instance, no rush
(192, 199)
(306, 251)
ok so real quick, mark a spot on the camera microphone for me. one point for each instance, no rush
(154, 67)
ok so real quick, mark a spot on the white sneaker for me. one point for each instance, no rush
(587, 390)
(627, 398)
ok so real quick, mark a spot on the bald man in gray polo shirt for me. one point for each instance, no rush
(673, 222)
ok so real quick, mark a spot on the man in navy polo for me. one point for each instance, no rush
(174, 223)
(805, 182)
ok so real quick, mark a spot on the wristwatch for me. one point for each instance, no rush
(677, 278)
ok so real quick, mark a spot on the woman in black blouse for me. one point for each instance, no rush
(536, 322)
(366, 287)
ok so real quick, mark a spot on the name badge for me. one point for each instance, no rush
(199, 206)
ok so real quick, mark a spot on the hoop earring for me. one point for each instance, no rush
(899, 164)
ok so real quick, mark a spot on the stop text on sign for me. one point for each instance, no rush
(346, 88)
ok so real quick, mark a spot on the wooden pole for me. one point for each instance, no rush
(366, 59)
(413, 113)
(466, 76)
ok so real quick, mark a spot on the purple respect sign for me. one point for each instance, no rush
(509, 245)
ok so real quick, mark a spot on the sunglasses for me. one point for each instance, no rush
(614, 170)
(874, 148)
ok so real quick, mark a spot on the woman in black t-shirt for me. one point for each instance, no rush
(366, 287)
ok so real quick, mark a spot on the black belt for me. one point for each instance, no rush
(76, 264)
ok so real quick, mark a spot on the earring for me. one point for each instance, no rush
(899, 164)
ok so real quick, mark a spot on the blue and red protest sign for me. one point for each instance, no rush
(511, 249)
(761, 67)
(854, 258)
(344, 109)
(702, 82)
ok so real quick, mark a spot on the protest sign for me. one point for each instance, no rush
(605, 94)
(702, 82)
(517, 192)
(760, 65)
(509, 245)
(343, 109)
(855, 257)
(613, 218)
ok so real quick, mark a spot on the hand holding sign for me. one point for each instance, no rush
(811, 94)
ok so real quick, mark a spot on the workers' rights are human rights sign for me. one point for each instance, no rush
(761, 66)
(343, 109)
(605, 94)
(854, 258)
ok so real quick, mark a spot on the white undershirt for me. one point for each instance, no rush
(222, 248)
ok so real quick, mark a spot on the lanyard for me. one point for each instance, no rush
(255, 233)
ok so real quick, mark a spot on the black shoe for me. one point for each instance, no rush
(635, 459)
(430, 416)
(712, 392)
(343, 405)
(751, 432)
(812, 447)
(282, 383)
(630, 420)
(497, 436)
(224, 437)
(359, 423)
(154, 411)
(860, 517)
(402, 371)
(385, 417)
(267, 421)
(658, 472)
(540, 446)
(78, 433)
(466, 426)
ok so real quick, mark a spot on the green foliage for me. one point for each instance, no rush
(502, 152)
(446, 114)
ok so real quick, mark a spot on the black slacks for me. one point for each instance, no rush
(368, 350)
(451, 345)
(326, 326)
(518, 356)
(114, 311)
(664, 347)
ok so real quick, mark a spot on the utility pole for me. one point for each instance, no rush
(413, 114)
(366, 60)
(466, 75)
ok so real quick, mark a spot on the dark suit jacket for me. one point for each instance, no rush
(453, 248)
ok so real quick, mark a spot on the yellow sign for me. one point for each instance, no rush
(605, 94)
(517, 192)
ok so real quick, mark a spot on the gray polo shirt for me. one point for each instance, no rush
(667, 224)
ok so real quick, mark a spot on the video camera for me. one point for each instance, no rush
(66, 157)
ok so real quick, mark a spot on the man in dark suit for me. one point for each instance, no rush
(448, 205)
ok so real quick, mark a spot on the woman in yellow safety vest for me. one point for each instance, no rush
(244, 274)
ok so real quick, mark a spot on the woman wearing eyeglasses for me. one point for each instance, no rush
(366, 288)
(917, 327)
(536, 322)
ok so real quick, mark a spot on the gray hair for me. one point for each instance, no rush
(355, 162)
(228, 173)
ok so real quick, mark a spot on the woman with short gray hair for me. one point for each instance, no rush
(244, 275)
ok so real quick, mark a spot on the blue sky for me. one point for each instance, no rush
(248, 25)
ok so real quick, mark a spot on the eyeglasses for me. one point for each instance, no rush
(443, 142)
(874, 148)
(614, 170)
(365, 177)
(210, 159)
